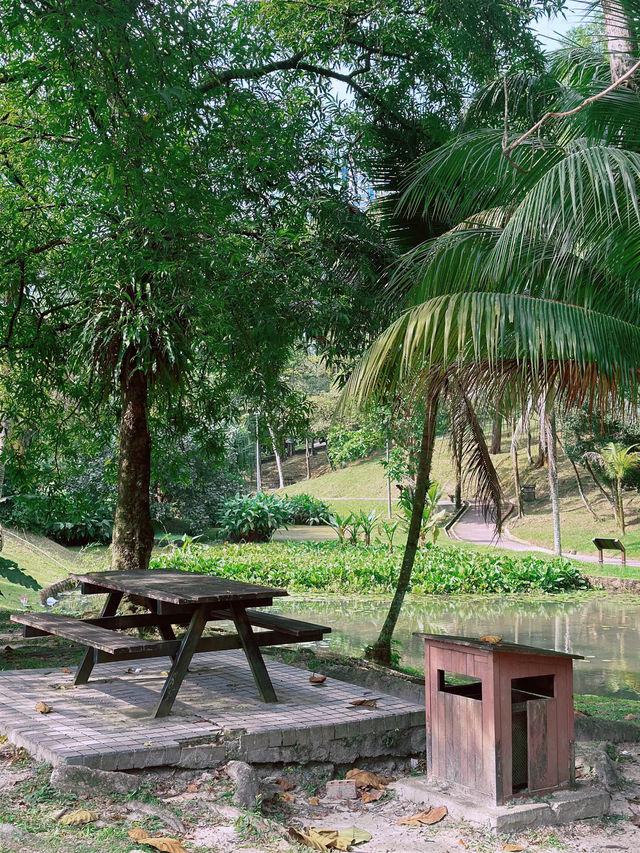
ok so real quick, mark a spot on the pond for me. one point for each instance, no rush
(604, 628)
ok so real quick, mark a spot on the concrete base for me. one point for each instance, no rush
(564, 806)
(218, 716)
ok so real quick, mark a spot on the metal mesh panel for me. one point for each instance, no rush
(519, 745)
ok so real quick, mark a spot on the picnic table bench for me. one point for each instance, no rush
(174, 598)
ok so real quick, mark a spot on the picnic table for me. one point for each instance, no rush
(174, 598)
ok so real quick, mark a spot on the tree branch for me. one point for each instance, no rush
(592, 99)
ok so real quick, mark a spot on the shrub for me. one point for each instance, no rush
(305, 509)
(71, 519)
(252, 518)
(327, 567)
(347, 445)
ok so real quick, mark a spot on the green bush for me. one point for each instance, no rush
(71, 519)
(347, 445)
(252, 518)
(328, 567)
(305, 509)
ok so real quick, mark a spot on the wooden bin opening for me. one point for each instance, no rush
(459, 684)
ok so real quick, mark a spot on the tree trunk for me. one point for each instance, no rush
(552, 465)
(307, 457)
(516, 470)
(274, 444)
(583, 497)
(258, 459)
(592, 474)
(529, 456)
(542, 450)
(132, 529)
(457, 448)
(5, 427)
(621, 43)
(381, 649)
(620, 506)
(496, 434)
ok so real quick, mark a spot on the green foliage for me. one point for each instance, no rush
(347, 445)
(253, 518)
(306, 509)
(431, 515)
(328, 567)
(69, 518)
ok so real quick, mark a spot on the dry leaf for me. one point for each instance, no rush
(138, 833)
(490, 638)
(314, 801)
(193, 788)
(372, 796)
(286, 786)
(285, 797)
(318, 679)
(65, 670)
(630, 717)
(364, 703)
(512, 848)
(367, 779)
(166, 845)
(329, 839)
(79, 818)
(303, 837)
(43, 708)
(425, 818)
(463, 844)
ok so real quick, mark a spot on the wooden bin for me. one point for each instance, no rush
(499, 716)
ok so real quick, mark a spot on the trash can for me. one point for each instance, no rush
(499, 716)
(528, 493)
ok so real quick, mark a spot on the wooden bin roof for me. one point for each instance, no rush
(511, 648)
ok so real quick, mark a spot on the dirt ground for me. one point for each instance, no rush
(195, 808)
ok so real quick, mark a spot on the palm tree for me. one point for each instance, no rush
(532, 292)
(618, 461)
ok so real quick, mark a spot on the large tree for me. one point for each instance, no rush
(163, 168)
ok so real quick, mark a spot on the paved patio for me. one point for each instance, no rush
(106, 724)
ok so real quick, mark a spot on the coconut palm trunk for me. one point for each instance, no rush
(380, 651)
(551, 442)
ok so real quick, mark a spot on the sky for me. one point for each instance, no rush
(550, 29)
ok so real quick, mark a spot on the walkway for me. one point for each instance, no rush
(471, 527)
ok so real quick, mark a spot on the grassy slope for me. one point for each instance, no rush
(365, 481)
(37, 561)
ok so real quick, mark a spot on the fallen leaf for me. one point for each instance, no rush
(138, 833)
(318, 679)
(193, 788)
(630, 717)
(285, 785)
(364, 703)
(314, 801)
(425, 818)
(512, 848)
(65, 670)
(490, 638)
(329, 839)
(43, 708)
(577, 713)
(79, 818)
(372, 796)
(285, 797)
(147, 743)
(463, 844)
(3, 738)
(367, 779)
(166, 845)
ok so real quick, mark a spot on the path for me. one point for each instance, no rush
(471, 527)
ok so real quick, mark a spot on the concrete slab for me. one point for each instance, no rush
(218, 715)
(564, 806)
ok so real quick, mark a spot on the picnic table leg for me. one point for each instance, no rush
(88, 661)
(253, 653)
(181, 661)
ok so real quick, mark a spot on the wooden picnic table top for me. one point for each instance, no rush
(176, 587)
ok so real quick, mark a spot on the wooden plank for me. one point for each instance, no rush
(176, 587)
(89, 659)
(295, 627)
(254, 657)
(181, 662)
(83, 633)
(428, 699)
(542, 742)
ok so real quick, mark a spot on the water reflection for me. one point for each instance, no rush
(603, 628)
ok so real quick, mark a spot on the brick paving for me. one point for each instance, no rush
(217, 716)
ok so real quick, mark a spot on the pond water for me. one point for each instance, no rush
(603, 628)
